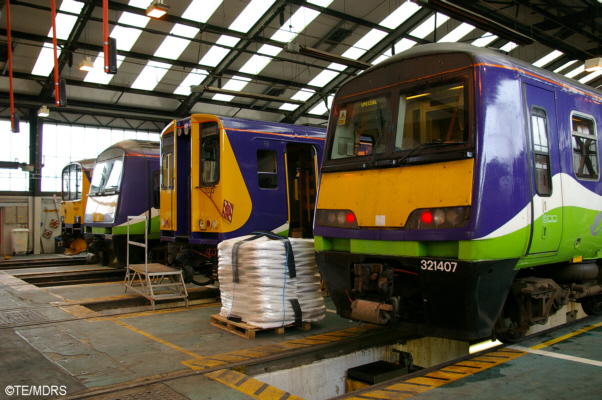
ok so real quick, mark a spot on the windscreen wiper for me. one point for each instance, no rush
(380, 132)
(423, 146)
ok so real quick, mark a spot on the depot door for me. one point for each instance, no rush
(546, 190)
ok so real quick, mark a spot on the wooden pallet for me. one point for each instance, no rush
(248, 331)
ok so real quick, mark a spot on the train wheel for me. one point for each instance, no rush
(592, 305)
(510, 326)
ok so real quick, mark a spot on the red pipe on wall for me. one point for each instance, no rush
(10, 68)
(105, 32)
(57, 96)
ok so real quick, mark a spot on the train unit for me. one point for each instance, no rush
(225, 177)
(125, 182)
(460, 194)
(75, 180)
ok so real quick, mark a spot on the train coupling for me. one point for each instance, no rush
(371, 311)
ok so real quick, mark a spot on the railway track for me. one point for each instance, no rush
(41, 262)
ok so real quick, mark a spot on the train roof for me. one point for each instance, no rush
(483, 55)
(146, 148)
(85, 164)
(263, 126)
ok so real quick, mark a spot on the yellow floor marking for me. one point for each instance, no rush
(567, 336)
(250, 386)
(80, 312)
(217, 360)
(439, 378)
(156, 339)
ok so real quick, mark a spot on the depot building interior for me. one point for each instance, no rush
(80, 76)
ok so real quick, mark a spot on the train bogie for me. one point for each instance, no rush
(455, 179)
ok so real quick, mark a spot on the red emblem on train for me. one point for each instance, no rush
(227, 211)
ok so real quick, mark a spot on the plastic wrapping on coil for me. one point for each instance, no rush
(267, 286)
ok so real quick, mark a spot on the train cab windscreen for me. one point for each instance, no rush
(429, 118)
(106, 177)
(436, 115)
(209, 154)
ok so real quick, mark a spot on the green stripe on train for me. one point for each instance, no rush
(576, 240)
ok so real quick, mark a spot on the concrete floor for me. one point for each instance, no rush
(47, 339)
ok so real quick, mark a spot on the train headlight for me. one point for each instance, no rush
(214, 224)
(78, 219)
(337, 218)
(62, 218)
(438, 218)
(201, 223)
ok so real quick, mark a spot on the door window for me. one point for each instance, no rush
(541, 151)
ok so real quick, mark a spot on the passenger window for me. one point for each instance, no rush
(585, 147)
(541, 152)
(267, 164)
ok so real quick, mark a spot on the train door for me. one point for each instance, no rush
(168, 196)
(302, 188)
(546, 207)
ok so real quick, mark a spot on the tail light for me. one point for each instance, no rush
(438, 218)
(336, 219)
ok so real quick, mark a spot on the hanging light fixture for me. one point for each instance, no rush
(593, 64)
(157, 9)
(43, 112)
(86, 64)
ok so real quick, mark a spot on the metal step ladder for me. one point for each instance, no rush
(153, 281)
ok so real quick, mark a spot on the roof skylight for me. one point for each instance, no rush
(542, 62)
(201, 10)
(250, 15)
(97, 75)
(150, 75)
(194, 78)
(125, 38)
(484, 40)
(365, 44)
(457, 34)
(399, 16)
(237, 83)
(591, 76)
(508, 47)
(288, 32)
(575, 72)
(64, 25)
(321, 107)
(217, 53)
(257, 63)
(428, 26)
(568, 64)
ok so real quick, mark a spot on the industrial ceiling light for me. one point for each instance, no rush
(593, 64)
(43, 112)
(86, 64)
(157, 9)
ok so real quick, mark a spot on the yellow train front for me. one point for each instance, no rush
(225, 177)
(75, 186)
